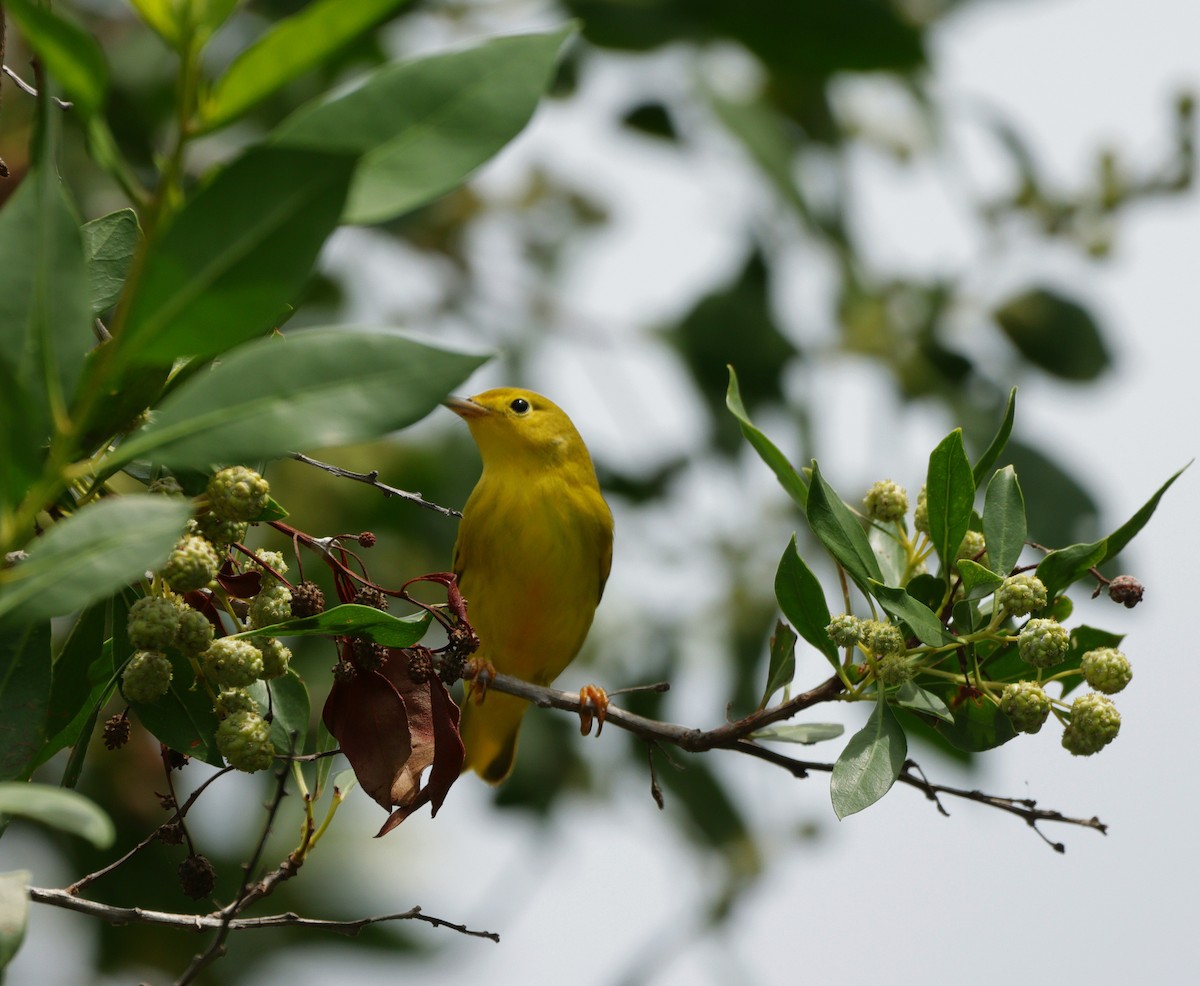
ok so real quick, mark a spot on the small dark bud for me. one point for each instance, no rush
(116, 732)
(307, 599)
(368, 595)
(176, 760)
(171, 833)
(420, 664)
(197, 876)
(453, 664)
(1127, 590)
(368, 655)
(367, 539)
(343, 671)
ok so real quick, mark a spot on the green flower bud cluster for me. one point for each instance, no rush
(886, 501)
(894, 669)
(1043, 642)
(845, 630)
(1026, 704)
(1094, 724)
(882, 638)
(232, 663)
(973, 548)
(153, 623)
(192, 565)
(1106, 669)
(275, 657)
(221, 533)
(238, 494)
(244, 739)
(272, 605)
(146, 677)
(1021, 594)
(921, 513)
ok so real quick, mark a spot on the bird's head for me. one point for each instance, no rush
(518, 427)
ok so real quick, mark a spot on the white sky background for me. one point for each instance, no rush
(897, 893)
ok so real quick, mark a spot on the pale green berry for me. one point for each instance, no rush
(921, 513)
(1043, 642)
(894, 669)
(232, 663)
(195, 633)
(192, 565)
(973, 548)
(238, 494)
(244, 739)
(275, 657)
(1021, 594)
(882, 638)
(233, 700)
(272, 605)
(153, 623)
(147, 676)
(1026, 704)
(844, 630)
(220, 532)
(1106, 669)
(1094, 724)
(886, 501)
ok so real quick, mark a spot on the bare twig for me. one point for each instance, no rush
(372, 479)
(26, 88)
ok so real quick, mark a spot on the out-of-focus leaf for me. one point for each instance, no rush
(14, 913)
(807, 733)
(841, 533)
(109, 244)
(162, 16)
(72, 686)
(764, 135)
(949, 495)
(70, 54)
(183, 719)
(66, 810)
(870, 763)
(994, 450)
(788, 477)
(309, 389)
(802, 601)
(1004, 521)
(423, 126)
(913, 696)
(1054, 333)
(782, 667)
(293, 46)
(24, 696)
(1115, 542)
(90, 555)
(234, 258)
(920, 618)
(1058, 508)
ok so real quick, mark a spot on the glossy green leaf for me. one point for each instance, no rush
(1115, 542)
(996, 448)
(841, 532)
(927, 589)
(14, 913)
(788, 477)
(870, 763)
(293, 46)
(289, 705)
(1004, 520)
(1054, 333)
(69, 53)
(950, 496)
(24, 696)
(235, 256)
(802, 601)
(423, 126)
(1068, 565)
(978, 725)
(90, 555)
(912, 696)
(183, 719)
(305, 390)
(109, 244)
(57, 808)
(977, 580)
(807, 733)
(351, 619)
(72, 685)
(920, 618)
(782, 667)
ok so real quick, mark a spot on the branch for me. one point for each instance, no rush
(215, 921)
(372, 479)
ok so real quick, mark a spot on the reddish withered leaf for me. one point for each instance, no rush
(370, 722)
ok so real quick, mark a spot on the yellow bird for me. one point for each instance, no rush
(533, 553)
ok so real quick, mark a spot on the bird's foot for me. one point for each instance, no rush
(593, 701)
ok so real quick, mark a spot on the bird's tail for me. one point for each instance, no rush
(489, 733)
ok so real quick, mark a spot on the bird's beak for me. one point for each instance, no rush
(465, 408)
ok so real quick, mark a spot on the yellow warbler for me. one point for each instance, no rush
(532, 556)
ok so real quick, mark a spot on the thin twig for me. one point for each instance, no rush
(372, 479)
(29, 90)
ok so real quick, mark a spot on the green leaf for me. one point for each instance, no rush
(162, 16)
(290, 708)
(70, 54)
(978, 725)
(840, 531)
(58, 808)
(920, 618)
(977, 580)
(1068, 565)
(351, 619)
(183, 719)
(72, 688)
(950, 496)
(913, 696)
(423, 126)
(24, 696)
(782, 668)
(788, 477)
(1054, 333)
(927, 589)
(309, 389)
(109, 244)
(766, 139)
(235, 256)
(993, 452)
(802, 601)
(1129, 530)
(870, 763)
(1004, 520)
(807, 733)
(293, 46)
(90, 555)
(14, 913)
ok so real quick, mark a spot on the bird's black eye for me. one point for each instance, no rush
(520, 405)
